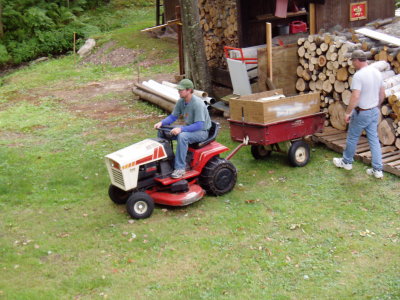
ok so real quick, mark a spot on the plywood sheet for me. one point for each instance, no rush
(284, 64)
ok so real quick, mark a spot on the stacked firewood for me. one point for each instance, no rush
(218, 20)
(325, 66)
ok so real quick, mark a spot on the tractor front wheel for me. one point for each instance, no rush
(117, 195)
(218, 176)
(140, 205)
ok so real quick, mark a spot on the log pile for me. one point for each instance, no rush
(218, 20)
(325, 66)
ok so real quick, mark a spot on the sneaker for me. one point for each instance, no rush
(338, 162)
(178, 173)
(376, 173)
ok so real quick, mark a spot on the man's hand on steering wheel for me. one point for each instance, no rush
(176, 130)
(157, 125)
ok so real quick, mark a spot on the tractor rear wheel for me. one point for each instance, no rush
(218, 176)
(117, 195)
(140, 205)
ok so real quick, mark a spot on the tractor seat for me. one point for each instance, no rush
(212, 135)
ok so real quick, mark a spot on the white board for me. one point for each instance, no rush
(240, 79)
(379, 36)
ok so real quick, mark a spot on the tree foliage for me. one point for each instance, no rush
(30, 28)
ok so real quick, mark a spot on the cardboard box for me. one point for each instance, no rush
(256, 109)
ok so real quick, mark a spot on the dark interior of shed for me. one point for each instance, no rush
(253, 14)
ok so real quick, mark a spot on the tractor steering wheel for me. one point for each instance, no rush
(166, 132)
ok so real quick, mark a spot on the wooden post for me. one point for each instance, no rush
(158, 12)
(269, 50)
(312, 18)
(74, 47)
(180, 40)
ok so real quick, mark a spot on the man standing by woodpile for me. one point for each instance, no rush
(197, 123)
(363, 114)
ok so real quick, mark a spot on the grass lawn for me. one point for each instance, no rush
(316, 232)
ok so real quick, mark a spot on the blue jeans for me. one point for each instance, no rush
(183, 140)
(364, 120)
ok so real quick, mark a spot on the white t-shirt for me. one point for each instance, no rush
(368, 80)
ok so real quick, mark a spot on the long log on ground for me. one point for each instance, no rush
(151, 91)
(157, 100)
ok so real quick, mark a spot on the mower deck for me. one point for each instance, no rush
(194, 194)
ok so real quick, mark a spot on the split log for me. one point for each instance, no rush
(299, 71)
(342, 74)
(321, 60)
(346, 96)
(301, 85)
(397, 143)
(391, 81)
(381, 65)
(386, 110)
(339, 86)
(336, 112)
(392, 90)
(386, 132)
(327, 86)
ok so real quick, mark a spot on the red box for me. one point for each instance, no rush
(298, 26)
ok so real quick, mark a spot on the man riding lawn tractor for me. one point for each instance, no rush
(148, 172)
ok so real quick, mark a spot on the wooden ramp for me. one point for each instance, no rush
(336, 140)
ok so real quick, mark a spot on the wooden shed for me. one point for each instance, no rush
(242, 23)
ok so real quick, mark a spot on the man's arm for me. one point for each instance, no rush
(167, 121)
(355, 98)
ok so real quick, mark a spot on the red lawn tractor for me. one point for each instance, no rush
(140, 174)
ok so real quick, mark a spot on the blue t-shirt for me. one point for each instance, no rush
(192, 112)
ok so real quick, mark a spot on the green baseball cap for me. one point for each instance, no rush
(185, 84)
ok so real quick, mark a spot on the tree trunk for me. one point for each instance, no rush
(194, 49)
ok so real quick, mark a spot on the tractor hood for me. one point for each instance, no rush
(138, 154)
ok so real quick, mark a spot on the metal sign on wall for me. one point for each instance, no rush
(358, 11)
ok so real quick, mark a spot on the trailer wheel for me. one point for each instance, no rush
(117, 195)
(299, 153)
(140, 205)
(218, 176)
(259, 152)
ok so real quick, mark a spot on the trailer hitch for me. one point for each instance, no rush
(245, 142)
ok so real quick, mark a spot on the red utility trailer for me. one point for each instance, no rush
(265, 138)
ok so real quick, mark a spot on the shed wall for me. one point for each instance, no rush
(335, 12)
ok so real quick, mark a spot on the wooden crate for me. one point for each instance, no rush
(253, 109)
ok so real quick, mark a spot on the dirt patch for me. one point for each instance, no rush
(117, 57)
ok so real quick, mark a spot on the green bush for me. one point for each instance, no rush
(35, 28)
(4, 55)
